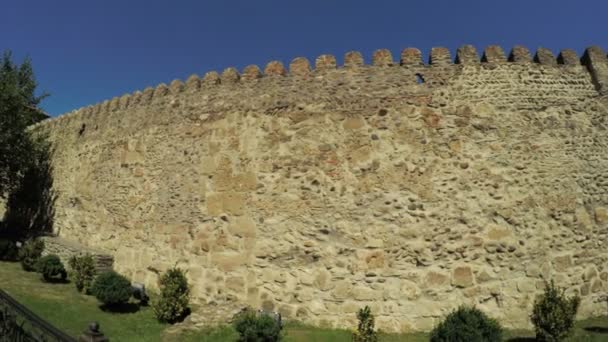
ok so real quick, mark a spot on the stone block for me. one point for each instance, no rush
(462, 276)
(562, 263)
(228, 261)
(434, 279)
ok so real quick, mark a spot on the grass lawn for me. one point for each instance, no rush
(71, 311)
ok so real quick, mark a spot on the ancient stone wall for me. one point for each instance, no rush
(409, 187)
(66, 249)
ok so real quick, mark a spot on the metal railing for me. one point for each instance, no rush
(19, 324)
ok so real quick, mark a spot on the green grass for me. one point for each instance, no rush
(71, 311)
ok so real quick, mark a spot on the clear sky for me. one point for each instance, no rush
(87, 51)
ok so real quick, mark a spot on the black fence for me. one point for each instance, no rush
(19, 324)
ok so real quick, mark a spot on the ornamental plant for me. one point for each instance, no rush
(172, 304)
(83, 272)
(112, 289)
(51, 268)
(255, 326)
(365, 329)
(467, 324)
(553, 314)
(29, 254)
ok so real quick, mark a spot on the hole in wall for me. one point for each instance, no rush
(419, 79)
(81, 130)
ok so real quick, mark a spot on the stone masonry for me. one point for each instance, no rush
(409, 187)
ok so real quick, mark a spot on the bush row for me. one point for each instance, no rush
(111, 288)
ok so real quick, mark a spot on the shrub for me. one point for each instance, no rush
(467, 324)
(257, 327)
(83, 269)
(30, 253)
(51, 267)
(553, 314)
(172, 304)
(111, 288)
(8, 250)
(365, 330)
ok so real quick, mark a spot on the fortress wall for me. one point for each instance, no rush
(412, 188)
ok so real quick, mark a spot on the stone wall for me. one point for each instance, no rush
(66, 249)
(409, 187)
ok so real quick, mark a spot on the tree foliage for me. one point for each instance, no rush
(18, 110)
(25, 168)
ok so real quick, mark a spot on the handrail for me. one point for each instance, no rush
(34, 319)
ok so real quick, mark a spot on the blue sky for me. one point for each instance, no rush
(87, 51)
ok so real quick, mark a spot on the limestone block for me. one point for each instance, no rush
(526, 285)
(243, 226)
(323, 280)
(601, 215)
(229, 202)
(562, 263)
(363, 293)
(228, 261)
(462, 276)
(434, 279)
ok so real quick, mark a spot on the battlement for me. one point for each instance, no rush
(300, 68)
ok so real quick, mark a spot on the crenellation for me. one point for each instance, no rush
(136, 99)
(493, 54)
(325, 63)
(568, 57)
(229, 76)
(382, 58)
(300, 67)
(596, 61)
(545, 56)
(176, 86)
(440, 56)
(353, 59)
(251, 73)
(124, 101)
(105, 107)
(211, 78)
(114, 104)
(160, 91)
(275, 68)
(520, 54)
(411, 57)
(193, 83)
(467, 55)
(146, 96)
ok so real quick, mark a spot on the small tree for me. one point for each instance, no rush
(83, 270)
(365, 330)
(112, 289)
(467, 324)
(554, 314)
(51, 268)
(255, 326)
(30, 253)
(172, 305)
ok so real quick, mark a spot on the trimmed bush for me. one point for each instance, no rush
(553, 314)
(467, 324)
(51, 268)
(111, 288)
(30, 253)
(8, 250)
(257, 327)
(365, 330)
(83, 272)
(172, 305)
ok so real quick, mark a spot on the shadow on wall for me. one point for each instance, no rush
(30, 208)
